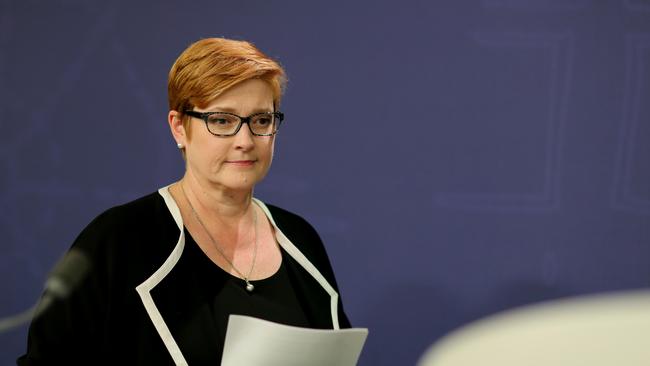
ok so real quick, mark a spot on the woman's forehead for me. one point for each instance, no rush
(250, 96)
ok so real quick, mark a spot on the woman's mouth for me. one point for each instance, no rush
(241, 163)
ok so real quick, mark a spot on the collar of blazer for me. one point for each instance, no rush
(144, 289)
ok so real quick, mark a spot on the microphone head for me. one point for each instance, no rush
(68, 273)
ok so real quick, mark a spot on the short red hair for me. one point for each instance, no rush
(209, 67)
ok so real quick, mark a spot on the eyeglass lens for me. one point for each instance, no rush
(226, 124)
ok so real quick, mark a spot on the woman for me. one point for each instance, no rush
(169, 268)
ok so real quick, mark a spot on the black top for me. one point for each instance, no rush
(105, 321)
(273, 298)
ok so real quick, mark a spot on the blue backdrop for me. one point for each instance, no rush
(457, 157)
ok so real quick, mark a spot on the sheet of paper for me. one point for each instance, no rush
(251, 342)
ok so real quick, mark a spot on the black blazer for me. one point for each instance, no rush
(132, 306)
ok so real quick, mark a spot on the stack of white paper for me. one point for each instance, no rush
(251, 342)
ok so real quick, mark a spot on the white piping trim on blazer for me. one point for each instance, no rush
(144, 289)
(305, 263)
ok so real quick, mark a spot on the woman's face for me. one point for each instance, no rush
(235, 162)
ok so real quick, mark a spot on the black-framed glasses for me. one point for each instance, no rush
(228, 124)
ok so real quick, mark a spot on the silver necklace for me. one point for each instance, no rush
(249, 286)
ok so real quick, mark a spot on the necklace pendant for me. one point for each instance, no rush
(249, 287)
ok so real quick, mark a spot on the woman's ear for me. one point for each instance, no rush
(176, 126)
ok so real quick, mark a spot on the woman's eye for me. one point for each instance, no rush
(219, 121)
(263, 121)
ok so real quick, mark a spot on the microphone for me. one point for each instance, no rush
(66, 275)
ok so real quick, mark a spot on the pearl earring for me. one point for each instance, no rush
(180, 146)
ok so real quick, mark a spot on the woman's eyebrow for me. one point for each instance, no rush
(233, 110)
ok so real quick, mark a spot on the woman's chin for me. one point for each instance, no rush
(243, 184)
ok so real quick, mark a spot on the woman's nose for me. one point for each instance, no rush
(244, 137)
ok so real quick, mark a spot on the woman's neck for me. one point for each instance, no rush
(226, 205)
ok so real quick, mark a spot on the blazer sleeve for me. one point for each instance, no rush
(71, 331)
